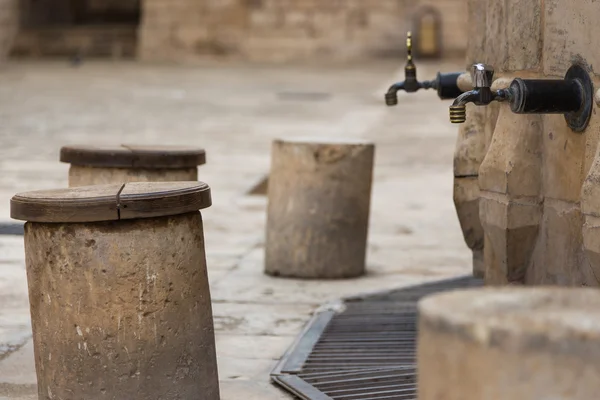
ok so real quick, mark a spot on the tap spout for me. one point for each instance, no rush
(480, 96)
(391, 96)
(471, 96)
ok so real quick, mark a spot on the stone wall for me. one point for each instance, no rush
(538, 181)
(282, 30)
(42, 13)
(9, 23)
(256, 30)
(104, 5)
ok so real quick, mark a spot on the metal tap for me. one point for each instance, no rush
(482, 76)
(445, 84)
(571, 96)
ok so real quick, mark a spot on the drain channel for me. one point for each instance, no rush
(366, 351)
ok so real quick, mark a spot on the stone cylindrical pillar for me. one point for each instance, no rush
(120, 302)
(318, 214)
(509, 344)
(96, 165)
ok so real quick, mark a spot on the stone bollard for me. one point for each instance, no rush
(510, 344)
(95, 165)
(119, 295)
(318, 214)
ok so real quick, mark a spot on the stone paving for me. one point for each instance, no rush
(234, 111)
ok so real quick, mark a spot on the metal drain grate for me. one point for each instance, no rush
(364, 351)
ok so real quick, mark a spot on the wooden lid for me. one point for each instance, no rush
(111, 202)
(129, 156)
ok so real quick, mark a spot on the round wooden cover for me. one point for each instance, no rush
(111, 202)
(131, 156)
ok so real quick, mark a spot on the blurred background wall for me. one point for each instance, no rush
(257, 30)
(9, 24)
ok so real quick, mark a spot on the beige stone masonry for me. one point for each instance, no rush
(507, 344)
(466, 201)
(538, 179)
(279, 31)
(510, 181)
(474, 137)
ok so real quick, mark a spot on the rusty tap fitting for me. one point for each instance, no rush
(571, 96)
(445, 84)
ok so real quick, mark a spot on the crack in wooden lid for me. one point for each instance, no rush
(110, 202)
(131, 156)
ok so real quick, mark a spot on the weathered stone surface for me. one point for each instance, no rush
(86, 176)
(477, 31)
(121, 309)
(513, 161)
(507, 344)
(591, 245)
(570, 29)
(524, 34)
(564, 152)
(495, 31)
(510, 207)
(511, 229)
(475, 136)
(466, 201)
(319, 203)
(492, 113)
(506, 34)
(591, 228)
(558, 257)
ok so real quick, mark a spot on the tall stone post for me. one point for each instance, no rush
(467, 158)
(120, 302)
(318, 213)
(510, 204)
(98, 165)
(510, 343)
(473, 140)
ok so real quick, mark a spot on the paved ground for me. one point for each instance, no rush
(234, 111)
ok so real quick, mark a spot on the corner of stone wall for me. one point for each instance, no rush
(9, 26)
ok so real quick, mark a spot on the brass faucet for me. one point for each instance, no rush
(445, 84)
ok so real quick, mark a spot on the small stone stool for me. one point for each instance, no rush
(510, 344)
(318, 214)
(119, 295)
(95, 165)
